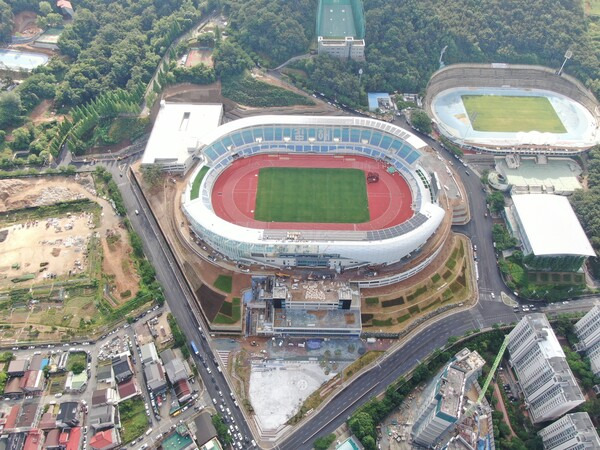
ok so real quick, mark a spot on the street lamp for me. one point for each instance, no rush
(568, 55)
(360, 72)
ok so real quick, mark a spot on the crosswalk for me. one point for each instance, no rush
(224, 357)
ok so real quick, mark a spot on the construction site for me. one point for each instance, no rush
(65, 259)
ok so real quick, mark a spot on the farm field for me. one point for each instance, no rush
(494, 113)
(288, 194)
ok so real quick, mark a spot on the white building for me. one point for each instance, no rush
(572, 432)
(442, 404)
(343, 48)
(178, 134)
(545, 377)
(543, 222)
(588, 333)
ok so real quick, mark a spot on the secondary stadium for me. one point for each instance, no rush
(317, 192)
(507, 108)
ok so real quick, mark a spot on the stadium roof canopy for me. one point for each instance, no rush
(180, 129)
(550, 226)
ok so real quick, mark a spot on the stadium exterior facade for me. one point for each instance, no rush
(314, 248)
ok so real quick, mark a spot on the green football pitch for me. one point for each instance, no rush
(512, 114)
(289, 194)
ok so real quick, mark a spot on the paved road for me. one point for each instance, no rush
(176, 291)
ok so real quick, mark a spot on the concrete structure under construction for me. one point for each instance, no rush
(572, 432)
(442, 404)
(588, 333)
(549, 387)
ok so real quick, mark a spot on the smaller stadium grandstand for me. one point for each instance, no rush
(505, 108)
(341, 29)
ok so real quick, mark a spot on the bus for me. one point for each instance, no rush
(195, 348)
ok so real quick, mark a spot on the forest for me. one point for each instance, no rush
(404, 41)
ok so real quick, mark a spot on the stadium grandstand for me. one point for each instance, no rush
(461, 101)
(223, 192)
(341, 29)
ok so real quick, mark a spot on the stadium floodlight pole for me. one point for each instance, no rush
(568, 55)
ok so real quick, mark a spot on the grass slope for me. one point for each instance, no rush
(224, 283)
(230, 313)
(288, 194)
(197, 182)
(512, 114)
(246, 90)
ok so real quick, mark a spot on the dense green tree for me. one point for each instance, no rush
(6, 23)
(44, 8)
(22, 137)
(496, 201)
(10, 109)
(362, 425)
(323, 443)
(230, 59)
(273, 29)
(421, 121)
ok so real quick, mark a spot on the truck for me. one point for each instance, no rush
(194, 348)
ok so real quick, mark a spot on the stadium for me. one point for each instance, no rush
(504, 108)
(314, 192)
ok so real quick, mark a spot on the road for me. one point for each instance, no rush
(177, 294)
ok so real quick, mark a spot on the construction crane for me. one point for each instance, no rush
(469, 412)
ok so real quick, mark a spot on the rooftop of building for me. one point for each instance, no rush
(557, 174)
(340, 18)
(180, 130)
(317, 319)
(468, 361)
(326, 291)
(547, 220)
(451, 389)
(546, 339)
(205, 429)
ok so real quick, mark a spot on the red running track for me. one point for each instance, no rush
(234, 192)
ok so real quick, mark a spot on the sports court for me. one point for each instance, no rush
(199, 56)
(512, 113)
(18, 60)
(234, 194)
(340, 18)
(292, 194)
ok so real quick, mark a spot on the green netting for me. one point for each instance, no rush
(341, 18)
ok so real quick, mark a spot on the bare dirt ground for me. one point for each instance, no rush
(117, 262)
(42, 248)
(24, 23)
(22, 193)
(43, 113)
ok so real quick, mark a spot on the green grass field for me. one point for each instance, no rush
(287, 194)
(512, 114)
